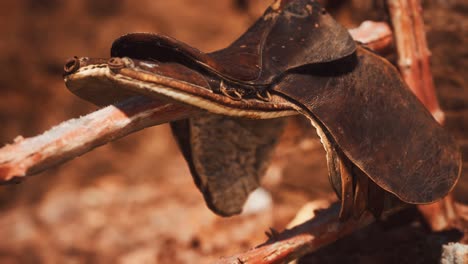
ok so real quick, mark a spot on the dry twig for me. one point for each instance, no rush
(375, 35)
(323, 229)
(413, 52)
(414, 64)
(78, 136)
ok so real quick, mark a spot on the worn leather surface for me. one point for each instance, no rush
(227, 156)
(96, 81)
(297, 33)
(378, 124)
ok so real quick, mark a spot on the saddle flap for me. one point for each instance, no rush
(227, 156)
(379, 125)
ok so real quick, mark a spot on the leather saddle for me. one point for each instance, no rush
(382, 144)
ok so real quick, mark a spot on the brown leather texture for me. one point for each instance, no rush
(227, 156)
(98, 81)
(378, 124)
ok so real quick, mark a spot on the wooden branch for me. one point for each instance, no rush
(414, 64)
(78, 136)
(375, 35)
(323, 229)
(293, 243)
(413, 52)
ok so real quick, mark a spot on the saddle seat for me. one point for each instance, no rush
(284, 38)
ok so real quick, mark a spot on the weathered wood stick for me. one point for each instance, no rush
(78, 136)
(323, 229)
(413, 52)
(375, 35)
(414, 64)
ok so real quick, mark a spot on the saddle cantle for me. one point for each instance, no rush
(285, 37)
(295, 58)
